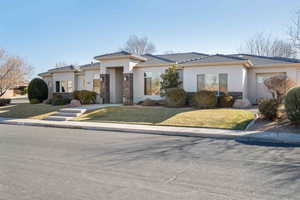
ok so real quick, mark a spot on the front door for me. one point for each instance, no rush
(116, 84)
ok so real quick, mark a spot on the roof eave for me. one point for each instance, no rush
(278, 65)
(45, 74)
(245, 63)
(90, 68)
(62, 71)
(155, 65)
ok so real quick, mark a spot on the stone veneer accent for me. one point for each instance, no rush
(128, 89)
(236, 95)
(104, 88)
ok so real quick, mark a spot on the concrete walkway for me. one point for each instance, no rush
(242, 136)
(66, 114)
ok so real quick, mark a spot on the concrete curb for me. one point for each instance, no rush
(200, 133)
(240, 136)
(256, 116)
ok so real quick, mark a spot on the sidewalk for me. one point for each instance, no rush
(243, 136)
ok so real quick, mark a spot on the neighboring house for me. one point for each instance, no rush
(126, 78)
(18, 90)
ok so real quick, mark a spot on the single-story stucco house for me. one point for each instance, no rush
(123, 77)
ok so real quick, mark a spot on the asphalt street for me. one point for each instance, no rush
(52, 163)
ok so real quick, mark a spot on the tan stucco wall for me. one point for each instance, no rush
(291, 72)
(138, 82)
(127, 65)
(236, 77)
(64, 76)
(49, 82)
(89, 76)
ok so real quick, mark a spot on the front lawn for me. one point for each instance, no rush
(26, 110)
(188, 117)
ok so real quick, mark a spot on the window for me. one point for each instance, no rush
(180, 75)
(96, 85)
(57, 86)
(70, 86)
(152, 83)
(212, 82)
(223, 83)
(200, 82)
(83, 84)
(63, 86)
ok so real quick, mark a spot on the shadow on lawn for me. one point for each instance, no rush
(26, 110)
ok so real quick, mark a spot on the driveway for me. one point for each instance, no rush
(51, 163)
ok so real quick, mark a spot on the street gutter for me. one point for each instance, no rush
(238, 135)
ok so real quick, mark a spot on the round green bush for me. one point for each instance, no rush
(37, 89)
(175, 97)
(34, 101)
(205, 99)
(292, 105)
(268, 108)
(226, 101)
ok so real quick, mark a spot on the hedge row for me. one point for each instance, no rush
(177, 97)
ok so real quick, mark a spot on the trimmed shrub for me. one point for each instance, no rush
(225, 101)
(4, 102)
(75, 94)
(268, 108)
(37, 89)
(175, 97)
(205, 99)
(59, 100)
(34, 101)
(85, 96)
(292, 105)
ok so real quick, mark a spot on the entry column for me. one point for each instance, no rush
(104, 88)
(128, 89)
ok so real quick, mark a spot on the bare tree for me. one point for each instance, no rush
(138, 45)
(265, 45)
(13, 71)
(294, 32)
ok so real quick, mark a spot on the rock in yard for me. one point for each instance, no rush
(75, 103)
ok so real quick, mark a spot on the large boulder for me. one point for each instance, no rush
(242, 103)
(75, 103)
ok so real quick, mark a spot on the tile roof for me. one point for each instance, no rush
(172, 58)
(64, 68)
(265, 60)
(119, 53)
(153, 60)
(213, 59)
(96, 64)
(180, 57)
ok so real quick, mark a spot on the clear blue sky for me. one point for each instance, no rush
(74, 31)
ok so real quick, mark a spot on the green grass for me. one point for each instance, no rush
(186, 117)
(26, 110)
